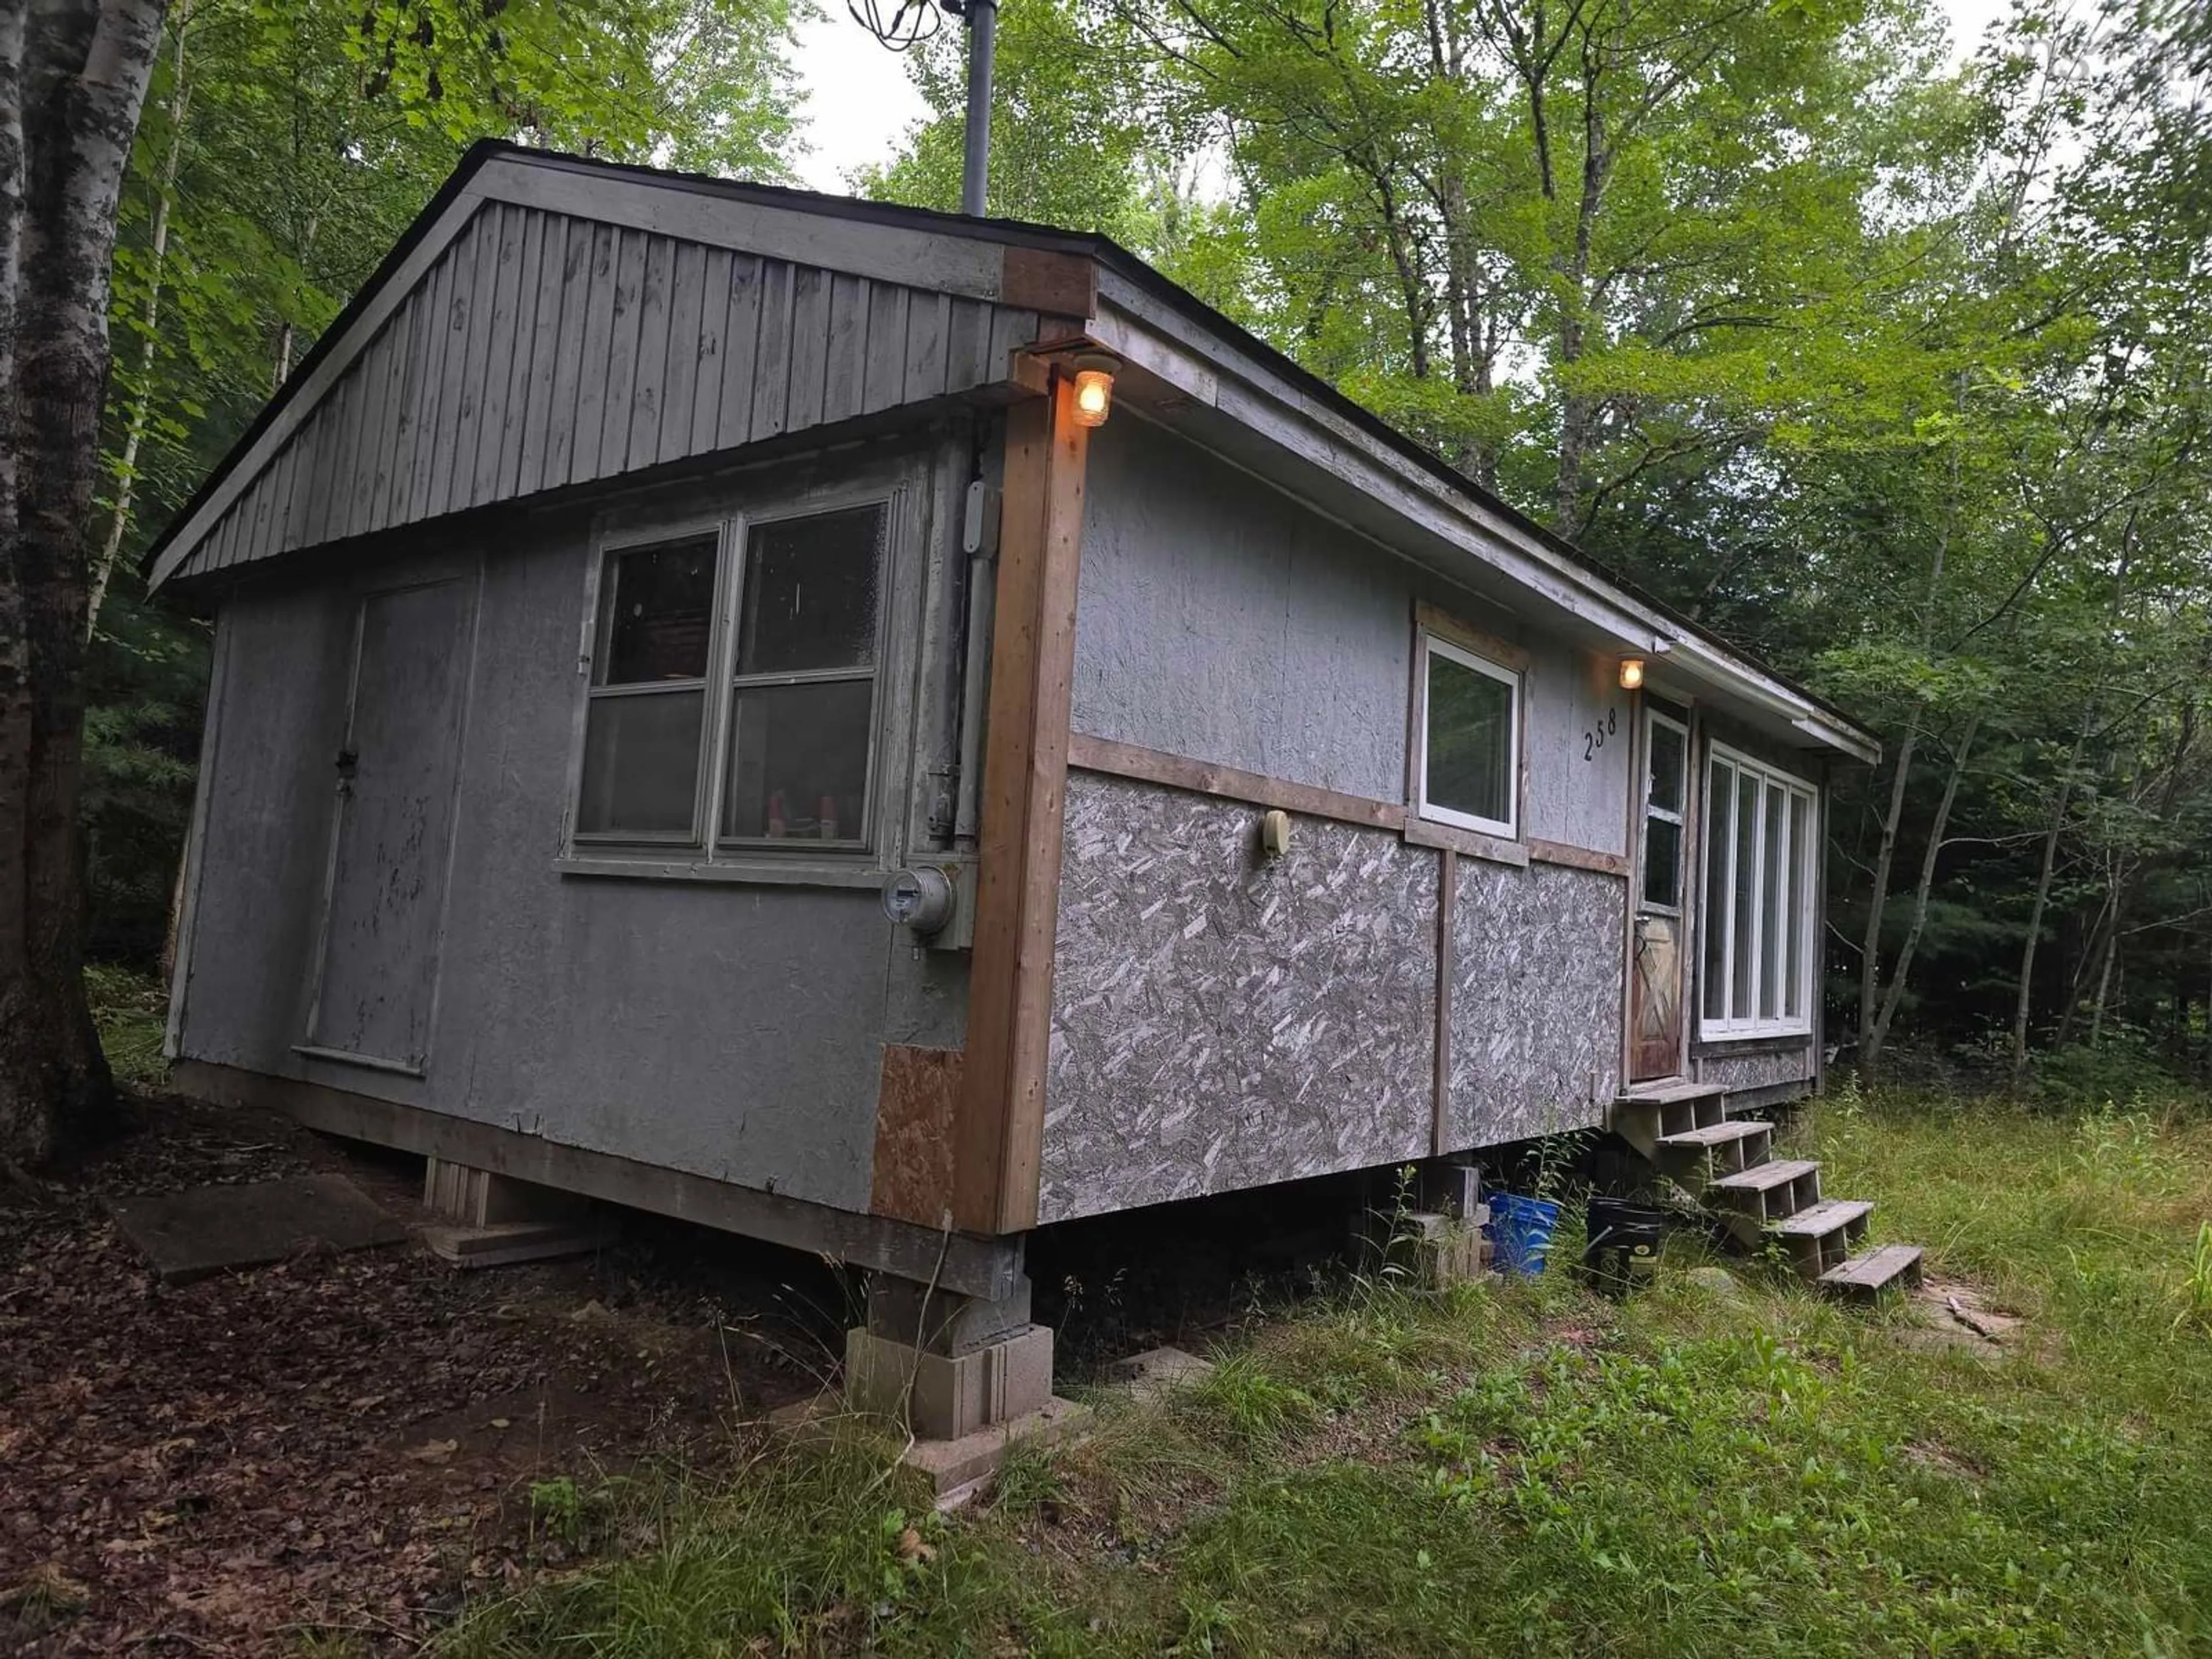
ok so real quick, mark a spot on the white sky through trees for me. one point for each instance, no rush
(860, 102)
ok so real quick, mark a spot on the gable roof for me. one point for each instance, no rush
(549, 321)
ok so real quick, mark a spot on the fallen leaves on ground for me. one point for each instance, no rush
(333, 1443)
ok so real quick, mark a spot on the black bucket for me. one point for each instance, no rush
(1623, 1243)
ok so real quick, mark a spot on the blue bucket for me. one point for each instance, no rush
(1521, 1232)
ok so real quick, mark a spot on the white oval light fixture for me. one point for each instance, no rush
(1631, 673)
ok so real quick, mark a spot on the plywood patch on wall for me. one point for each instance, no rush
(1219, 1022)
(914, 1116)
(1535, 1000)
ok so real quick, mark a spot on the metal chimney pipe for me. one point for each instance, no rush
(983, 17)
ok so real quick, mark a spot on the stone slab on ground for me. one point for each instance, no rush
(958, 1469)
(501, 1243)
(204, 1230)
(1157, 1371)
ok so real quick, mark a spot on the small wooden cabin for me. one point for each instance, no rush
(701, 717)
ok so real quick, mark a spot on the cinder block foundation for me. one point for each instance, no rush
(946, 1364)
(948, 1397)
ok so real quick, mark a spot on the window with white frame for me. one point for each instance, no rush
(734, 685)
(1470, 741)
(1757, 921)
(1666, 785)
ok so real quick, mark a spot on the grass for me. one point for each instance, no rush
(131, 1012)
(1528, 1470)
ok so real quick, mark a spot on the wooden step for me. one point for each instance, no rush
(1717, 1134)
(1764, 1177)
(1667, 1094)
(1821, 1237)
(1764, 1194)
(1864, 1278)
(1828, 1215)
(1713, 1150)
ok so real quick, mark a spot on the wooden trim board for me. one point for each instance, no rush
(1446, 911)
(1086, 753)
(1127, 760)
(985, 1267)
(1578, 857)
(999, 1135)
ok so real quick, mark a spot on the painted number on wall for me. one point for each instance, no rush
(1594, 739)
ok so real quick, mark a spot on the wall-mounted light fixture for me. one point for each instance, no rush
(1631, 673)
(1094, 388)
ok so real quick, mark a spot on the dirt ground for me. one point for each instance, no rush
(337, 1445)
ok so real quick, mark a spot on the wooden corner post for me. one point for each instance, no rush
(1000, 1130)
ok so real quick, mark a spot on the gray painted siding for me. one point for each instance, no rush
(1218, 618)
(1222, 1022)
(1536, 1000)
(543, 350)
(1580, 748)
(727, 1030)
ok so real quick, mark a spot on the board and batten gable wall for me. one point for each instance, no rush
(1220, 1021)
(732, 1030)
(543, 350)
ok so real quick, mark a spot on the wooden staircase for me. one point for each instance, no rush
(1727, 1164)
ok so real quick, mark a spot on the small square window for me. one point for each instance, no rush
(659, 612)
(810, 594)
(799, 762)
(1470, 741)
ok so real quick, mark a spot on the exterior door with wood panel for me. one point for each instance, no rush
(1654, 991)
(398, 778)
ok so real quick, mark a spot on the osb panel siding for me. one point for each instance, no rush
(1220, 1022)
(1758, 1071)
(914, 1133)
(544, 350)
(1536, 996)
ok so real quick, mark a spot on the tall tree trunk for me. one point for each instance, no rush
(73, 75)
(2100, 934)
(1893, 993)
(141, 402)
(2024, 995)
(1884, 859)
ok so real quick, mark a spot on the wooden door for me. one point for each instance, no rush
(399, 773)
(1654, 982)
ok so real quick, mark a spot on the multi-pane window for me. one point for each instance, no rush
(733, 680)
(1758, 899)
(1470, 750)
(1666, 783)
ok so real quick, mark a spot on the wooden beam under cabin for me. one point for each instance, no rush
(1000, 1130)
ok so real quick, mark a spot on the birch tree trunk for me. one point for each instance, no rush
(142, 402)
(1892, 994)
(73, 75)
(1878, 898)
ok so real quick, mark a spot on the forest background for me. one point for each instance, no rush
(1888, 367)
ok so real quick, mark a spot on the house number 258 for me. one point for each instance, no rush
(1593, 739)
